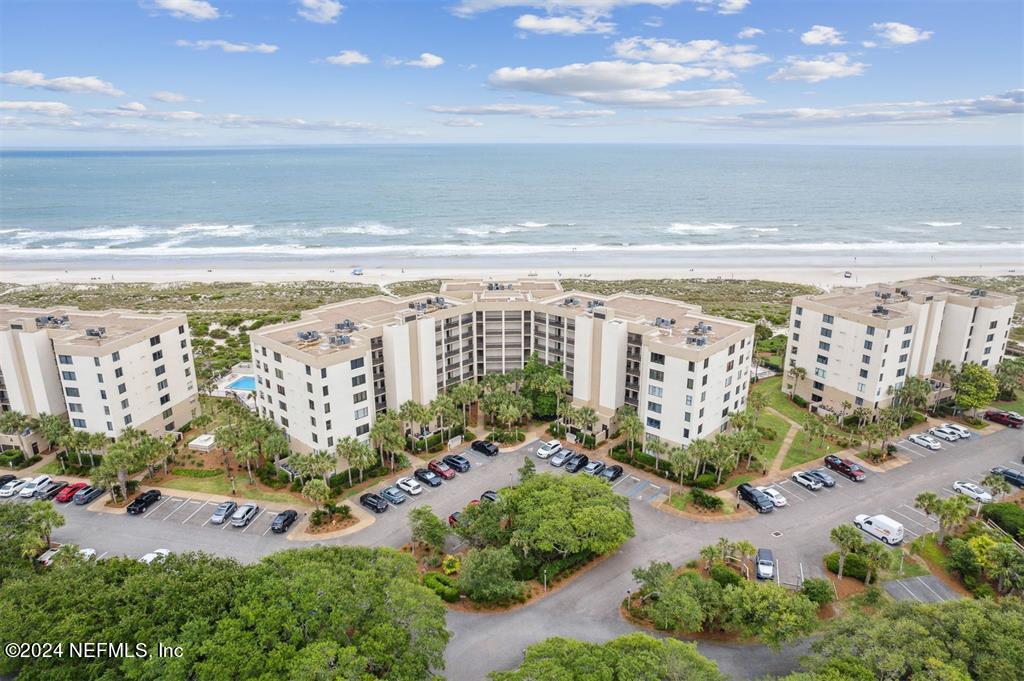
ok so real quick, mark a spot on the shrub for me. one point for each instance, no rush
(450, 565)
(704, 500)
(855, 566)
(890, 449)
(12, 460)
(692, 564)
(917, 418)
(799, 401)
(983, 590)
(643, 461)
(441, 585)
(818, 590)
(873, 595)
(963, 558)
(197, 472)
(488, 576)
(724, 576)
(1006, 515)
(705, 481)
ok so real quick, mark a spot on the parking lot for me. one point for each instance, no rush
(196, 513)
(927, 589)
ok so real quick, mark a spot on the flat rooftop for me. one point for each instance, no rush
(69, 325)
(894, 297)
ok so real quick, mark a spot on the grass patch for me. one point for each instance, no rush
(221, 485)
(1017, 405)
(738, 480)
(51, 468)
(777, 426)
(411, 288)
(928, 548)
(771, 389)
(803, 450)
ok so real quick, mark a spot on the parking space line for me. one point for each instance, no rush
(787, 490)
(941, 599)
(917, 511)
(912, 520)
(162, 502)
(909, 591)
(100, 557)
(621, 480)
(201, 506)
(175, 510)
(270, 525)
(253, 521)
(910, 531)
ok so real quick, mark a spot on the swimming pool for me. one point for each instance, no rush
(246, 383)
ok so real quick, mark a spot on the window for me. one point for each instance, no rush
(116, 356)
(731, 365)
(653, 423)
(363, 429)
(65, 359)
(686, 433)
(284, 421)
(358, 380)
(905, 344)
(164, 399)
(128, 419)
(686, 416)
(184, 358)
(990, 337)
(988, 351)
(689, 384)
(706, 361)
(822, 359)
(124, 404)
(167, 413)
(188, 371)
(657, 358)
(866, 359)
(162, 385)
(327, 407)
(279, 374)
(704, 379)
(859, 401)
(309, 370)
(315, 438)
(103, 394)
(689, 400)
(361, 413)
(908, 329)
(863, 373)
(822, 345)
(903, 358)
(725, 412)
(690, 366)
(820, 373)
(860, 387)
(827, 333)
(312, 405)
(827, 319)
(78, 423)
(871, 331)
(282, 406)
(118, 372)
(655, 391)
(71, 392)
(732, 348)
(154, 341)
(799, 310)
(158, 355)
(868, 345)
(324, 391)
(110, 426)
(323, 373)
(68, 375)
(901, 372)
(96, 361)
(121, 388)
(654, 407)
(99, 378)
(796, 323)
(657, 375)
(796, 337)
(312, 421)
(184, 343)
(359, 397)
(75, 407)
(309, 387)
(327, 424)
(277, 356)
(159, 371)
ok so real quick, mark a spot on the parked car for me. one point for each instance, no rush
(548, 448)
(963, 432)
(926, 441)
(880, 526)
(48, 556)
(845, 467)
(223, 512)
(611, 473)
(157, 556)
(976, 492)
(944, 434)
(576, 463)
(764, 564)
(87, 554)
(69, 492)
(775, 495)
(87, 495)
(51, 490)
(4, 479)
(244, 515)
(453, 519)
(1014, 477)
(393, 495)
(559, 458)
(13, 487)
(442, 469)
(373, 502)
(143, 501)
(489, 495)
(283, 520)
(409, 486)
(822, 476)
(457, 461)
(427, 477)
(28, 490)
(594, 467)
(759, 501)
(807, 481)
(1005, 418)
(485, 447)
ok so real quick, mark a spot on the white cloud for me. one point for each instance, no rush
(731, 6)
(426, 61)
(563, 25)
(869, 43)
(822, 35)
(346, 58)
(895, 33)
(34, 79)
(707, 53)
(1008, 103)
(43, 108)
(320, 11)
(139, 110)
(531, 110)
(196, 10)
(817, 69)
(619, 82)
(225, 46)
(600, 7)
(749, 32)
(461, 122)
(654, 22)
(168, 96)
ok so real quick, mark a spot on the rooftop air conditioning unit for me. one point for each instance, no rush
(306, 336)
(96, 332)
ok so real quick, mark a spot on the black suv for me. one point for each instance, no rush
(373, 502)
(459, 463)
(757, 499)
(576, 463)
(283, 520)
(1011, 476)
(143, 501)
(427, 477)
(485, 447)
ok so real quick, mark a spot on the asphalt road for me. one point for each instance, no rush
(588, 607)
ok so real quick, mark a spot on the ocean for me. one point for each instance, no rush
(355, 205)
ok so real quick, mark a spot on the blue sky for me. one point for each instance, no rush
(218, 72)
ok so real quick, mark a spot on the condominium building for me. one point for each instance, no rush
(106, 370)
(326, 375)
(856, 345)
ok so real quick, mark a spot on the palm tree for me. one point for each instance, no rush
(444, 410)
(43, 519)
(846, 406)
(386, 436)
(944, 370)
(247, 453)
(587, 417)
(701, 451)
(797, 374)
(951, 512)
(756, 404)
(1005, 563)
(567, 413)
(657, 448)
(104, 477)
(508, 413)
(927, 502)
(53, 427)
(97, 443)
(709, 553)
(996, 484)
(722, 456)
(317, 491)
(876, 558)
(681, 462)
(463, 395)
(847, 539)
(558, 385)
(416, 415)
(631, 427)
(14, 422)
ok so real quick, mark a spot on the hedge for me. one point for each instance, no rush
(704, 500)
(799, 401)
(854, 567)
(641, 460)
(724, 576)
(443, 585)
(435, 440)
(12, 460)
(1006, 515)
(818, 590)
(198, 472)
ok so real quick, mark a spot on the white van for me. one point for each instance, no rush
(881, 527)
(29, 490)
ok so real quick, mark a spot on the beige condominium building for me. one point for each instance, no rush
(856, 344)
(326, 375)
(106, 370)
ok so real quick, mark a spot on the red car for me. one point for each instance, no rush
(1005, 418)
(442, 469)
(845, 467)
(68, 493)
(453, 519)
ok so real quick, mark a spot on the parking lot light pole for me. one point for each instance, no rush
(545, 580)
